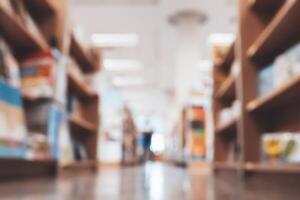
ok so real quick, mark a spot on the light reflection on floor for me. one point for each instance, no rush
(154, 181)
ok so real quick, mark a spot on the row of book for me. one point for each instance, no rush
(32, 128)
(284, 67)
(280, 148)
(229, 114)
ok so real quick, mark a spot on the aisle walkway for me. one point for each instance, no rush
(155, 181)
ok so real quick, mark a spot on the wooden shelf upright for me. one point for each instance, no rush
(84, 121)
(224, 95)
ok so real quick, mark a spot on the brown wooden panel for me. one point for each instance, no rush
(84, 56)
(281, 33)
(19, 168)
(280, 98)
(227, 90)
(250, 28)
(21, 39)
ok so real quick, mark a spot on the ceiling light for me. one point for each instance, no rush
(115, 40)
(221, 38)
(121, 81)
(121, 65)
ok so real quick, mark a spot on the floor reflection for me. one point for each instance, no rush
(154, 181)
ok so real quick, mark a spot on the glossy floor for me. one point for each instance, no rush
(154, 181)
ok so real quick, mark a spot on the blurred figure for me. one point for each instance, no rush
(147, 137)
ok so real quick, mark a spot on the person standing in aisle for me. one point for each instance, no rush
(147, 137)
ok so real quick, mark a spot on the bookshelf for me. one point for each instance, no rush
(227, 89)
(84, 117)
(267, 29)
(270, 41)
(276, 168)
(78, 86)
(25, 35)
(20, 168)
(39, 29)
(19, 36)
(226, 166)
(84, 126)
(277, 98)
(41, 7)
(230, 127)
(84, 56)
(80, 166)
(226, 133)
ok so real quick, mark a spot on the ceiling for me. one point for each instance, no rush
(160, 41)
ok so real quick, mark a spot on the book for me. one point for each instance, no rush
(38, 74)
(12, 120)
(46, 119)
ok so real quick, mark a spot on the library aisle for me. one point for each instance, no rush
(150, 99)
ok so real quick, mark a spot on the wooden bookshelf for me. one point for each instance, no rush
(85, 116)
(226, 135)
(20, 168)
(228, 128)
(231, 166)
(272, 168)
(267, 29)
(82, 165)
(280, 97)
(227, 89)
(21, 38)
(81, 55)
(87, 128)
(225, 63)
(264, 5)
(25, 38)
(41, 7)
(78, 85)
(279, 34)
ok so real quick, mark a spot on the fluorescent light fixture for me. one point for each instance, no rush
(121, 81)
(121, 65)
(115, 39)
(221, 38)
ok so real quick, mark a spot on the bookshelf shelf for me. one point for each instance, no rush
(230, 127)
(18, 35)
(81, 55)
(78, 85)
(13, 167)
(279, 34)
(227, 89)
(41, 7)
(279, 97)
(77, 122)
(82, 165)
(263, 5)
(232, 166)
(225, 64)
(272, 168)
(33, 98)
